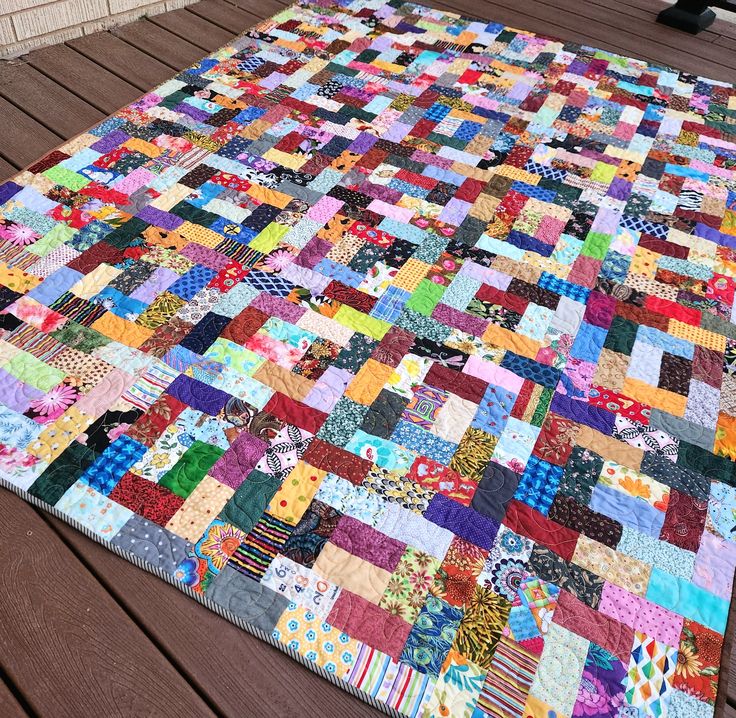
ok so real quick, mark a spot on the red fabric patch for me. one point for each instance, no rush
(294, 412)
(673, 310)
(524, 520)
(331, 458)
(244, 325)
(163, 412)
(97, 254)
(151, 501)
(349, 295)
(514, 302)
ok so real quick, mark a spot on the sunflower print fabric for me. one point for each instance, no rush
(408, 340)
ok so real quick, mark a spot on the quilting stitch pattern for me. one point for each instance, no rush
(409, 340)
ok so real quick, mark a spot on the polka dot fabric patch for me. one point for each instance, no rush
(408, 340)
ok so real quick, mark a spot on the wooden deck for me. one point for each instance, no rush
(84, 633)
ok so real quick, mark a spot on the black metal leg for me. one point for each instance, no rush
(688, 15)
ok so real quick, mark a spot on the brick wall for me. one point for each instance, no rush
(27, 24)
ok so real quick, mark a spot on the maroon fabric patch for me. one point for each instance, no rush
(393, 347)
(331, 458)
(568, 512)
(97, 254)
(524, 520)
(151, 501)
(463, 385)
(684, 521)
(349, 295)
(244, 325)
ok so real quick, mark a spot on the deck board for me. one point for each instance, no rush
(228, 17)
(158, 42)
(17, 129)
(96, 660)
(152, 614)
(139, 68)
(162, 609)
(193, 28)
(71, 70)
(9, 706)
(34, 94)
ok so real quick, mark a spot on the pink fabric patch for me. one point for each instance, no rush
(493, 374)
(325, 209)
(460, 320)
(400, 214)
(641, 615)
(366, 622)
(139, 177)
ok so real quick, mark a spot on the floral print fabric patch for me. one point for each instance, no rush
(409, 340)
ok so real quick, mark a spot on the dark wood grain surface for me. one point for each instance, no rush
(83, 632)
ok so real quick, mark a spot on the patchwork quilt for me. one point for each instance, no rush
(407, 342)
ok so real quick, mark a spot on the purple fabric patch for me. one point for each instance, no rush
(158, 282)
(278, 307)
(205, 256)
(110, 141)
(365, 542)
(328, 389)
(713, 235)
(460, 320)
(619, 189)
(17, 395)
(159, 218)
(7, 190)
(314, 250)
(462, 521)
(377, 191)
(197, 394)
(362, 143)
(583, 413)
(233, 467)
(193, 112)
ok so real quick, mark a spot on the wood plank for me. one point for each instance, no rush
(35, 94)
(23, 140)
(121, 59)
(9, 706)
(7, 170)
(83, 77)
(176, 52)
(224, 15)
(95, 658)
(213, 651)
(261, 8)
(193, 28)
(609, 21)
